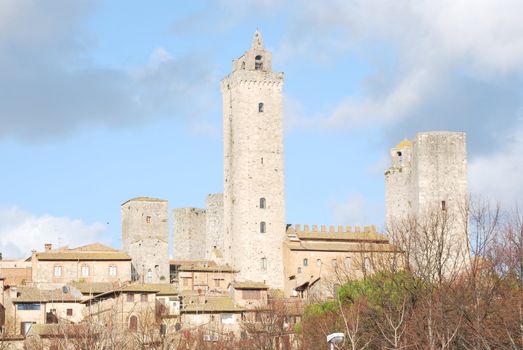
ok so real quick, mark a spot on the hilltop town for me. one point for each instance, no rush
(237, 259)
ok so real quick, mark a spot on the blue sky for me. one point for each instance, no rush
(102, 101)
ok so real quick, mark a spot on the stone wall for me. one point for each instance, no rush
(189, 233)
(254, 167)
(145, 238)
(214, 227)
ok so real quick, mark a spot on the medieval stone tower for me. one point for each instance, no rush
(254, 198)
(145, 238)
(429, 174)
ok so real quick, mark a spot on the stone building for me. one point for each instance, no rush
(145, 238)
(198, 231)
(316, 260)
(254, 193)
(428, 176)
(95, 262)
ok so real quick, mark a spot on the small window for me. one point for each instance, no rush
(299, 269)
(217, 283)
(130, 298)
(348, 262)
(367, 265)
(148, 219)
(243, 65)
(260, 107)
(149, 278)
(85, 271)
(318, 262)
(133, 323)
(143, 298)
(261, 160)
(58, 271)
(443, 206)
(333, 263)
(398, 153)
(264, 263)
(69, 312)
(262, 203)
(305, 262)
(262, 227)
(113, 271)
(258, 62)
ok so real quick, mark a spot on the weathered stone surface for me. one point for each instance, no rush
(145, 238)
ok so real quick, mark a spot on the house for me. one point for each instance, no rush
(96, 262)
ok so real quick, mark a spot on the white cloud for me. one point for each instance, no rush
(21, 232)
(498, 175)
(355, 210)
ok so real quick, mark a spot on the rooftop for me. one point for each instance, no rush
(249, 285)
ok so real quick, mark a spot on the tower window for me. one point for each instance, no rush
(243, 65)
(264, 263)
(262, 227)
(258, 63)
(85, 271)
(299, 269)
(148, 219)
(443, 205)
(305, 262)
(262, 203)
(318, 262)
(398, 153)
(260, 107)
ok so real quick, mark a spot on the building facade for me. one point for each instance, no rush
(145, 237)
(254, 195)
(427, 182)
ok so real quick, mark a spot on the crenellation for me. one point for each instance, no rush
(332, 229)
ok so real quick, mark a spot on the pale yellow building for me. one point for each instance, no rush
(316, 261)
(96, 262)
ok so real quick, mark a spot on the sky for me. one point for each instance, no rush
(103, 101)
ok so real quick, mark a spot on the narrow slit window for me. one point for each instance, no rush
(262, 203)
(263, 227)
(443, 205)
(305, 262)
(264, 263)
(260, 107)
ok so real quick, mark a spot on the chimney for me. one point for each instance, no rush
(48, 247)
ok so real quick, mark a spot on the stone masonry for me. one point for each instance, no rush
(254, 198)
(429, 173)
(189, 233)
(145, 238)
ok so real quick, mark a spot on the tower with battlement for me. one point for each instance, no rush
(145, 238)
(254, 195)
(428, 176)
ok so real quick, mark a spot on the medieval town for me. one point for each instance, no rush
(445, 271)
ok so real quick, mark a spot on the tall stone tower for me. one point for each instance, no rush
(429, 175)
(254, 194)
(145, 238)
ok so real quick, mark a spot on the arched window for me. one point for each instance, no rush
(305, 262)
(348, 262)
(149, 278)
(258, 63)
(260, 107)
(262, 227)
(243, 65)
(133, 323)
(262, 203)
(318, 262)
